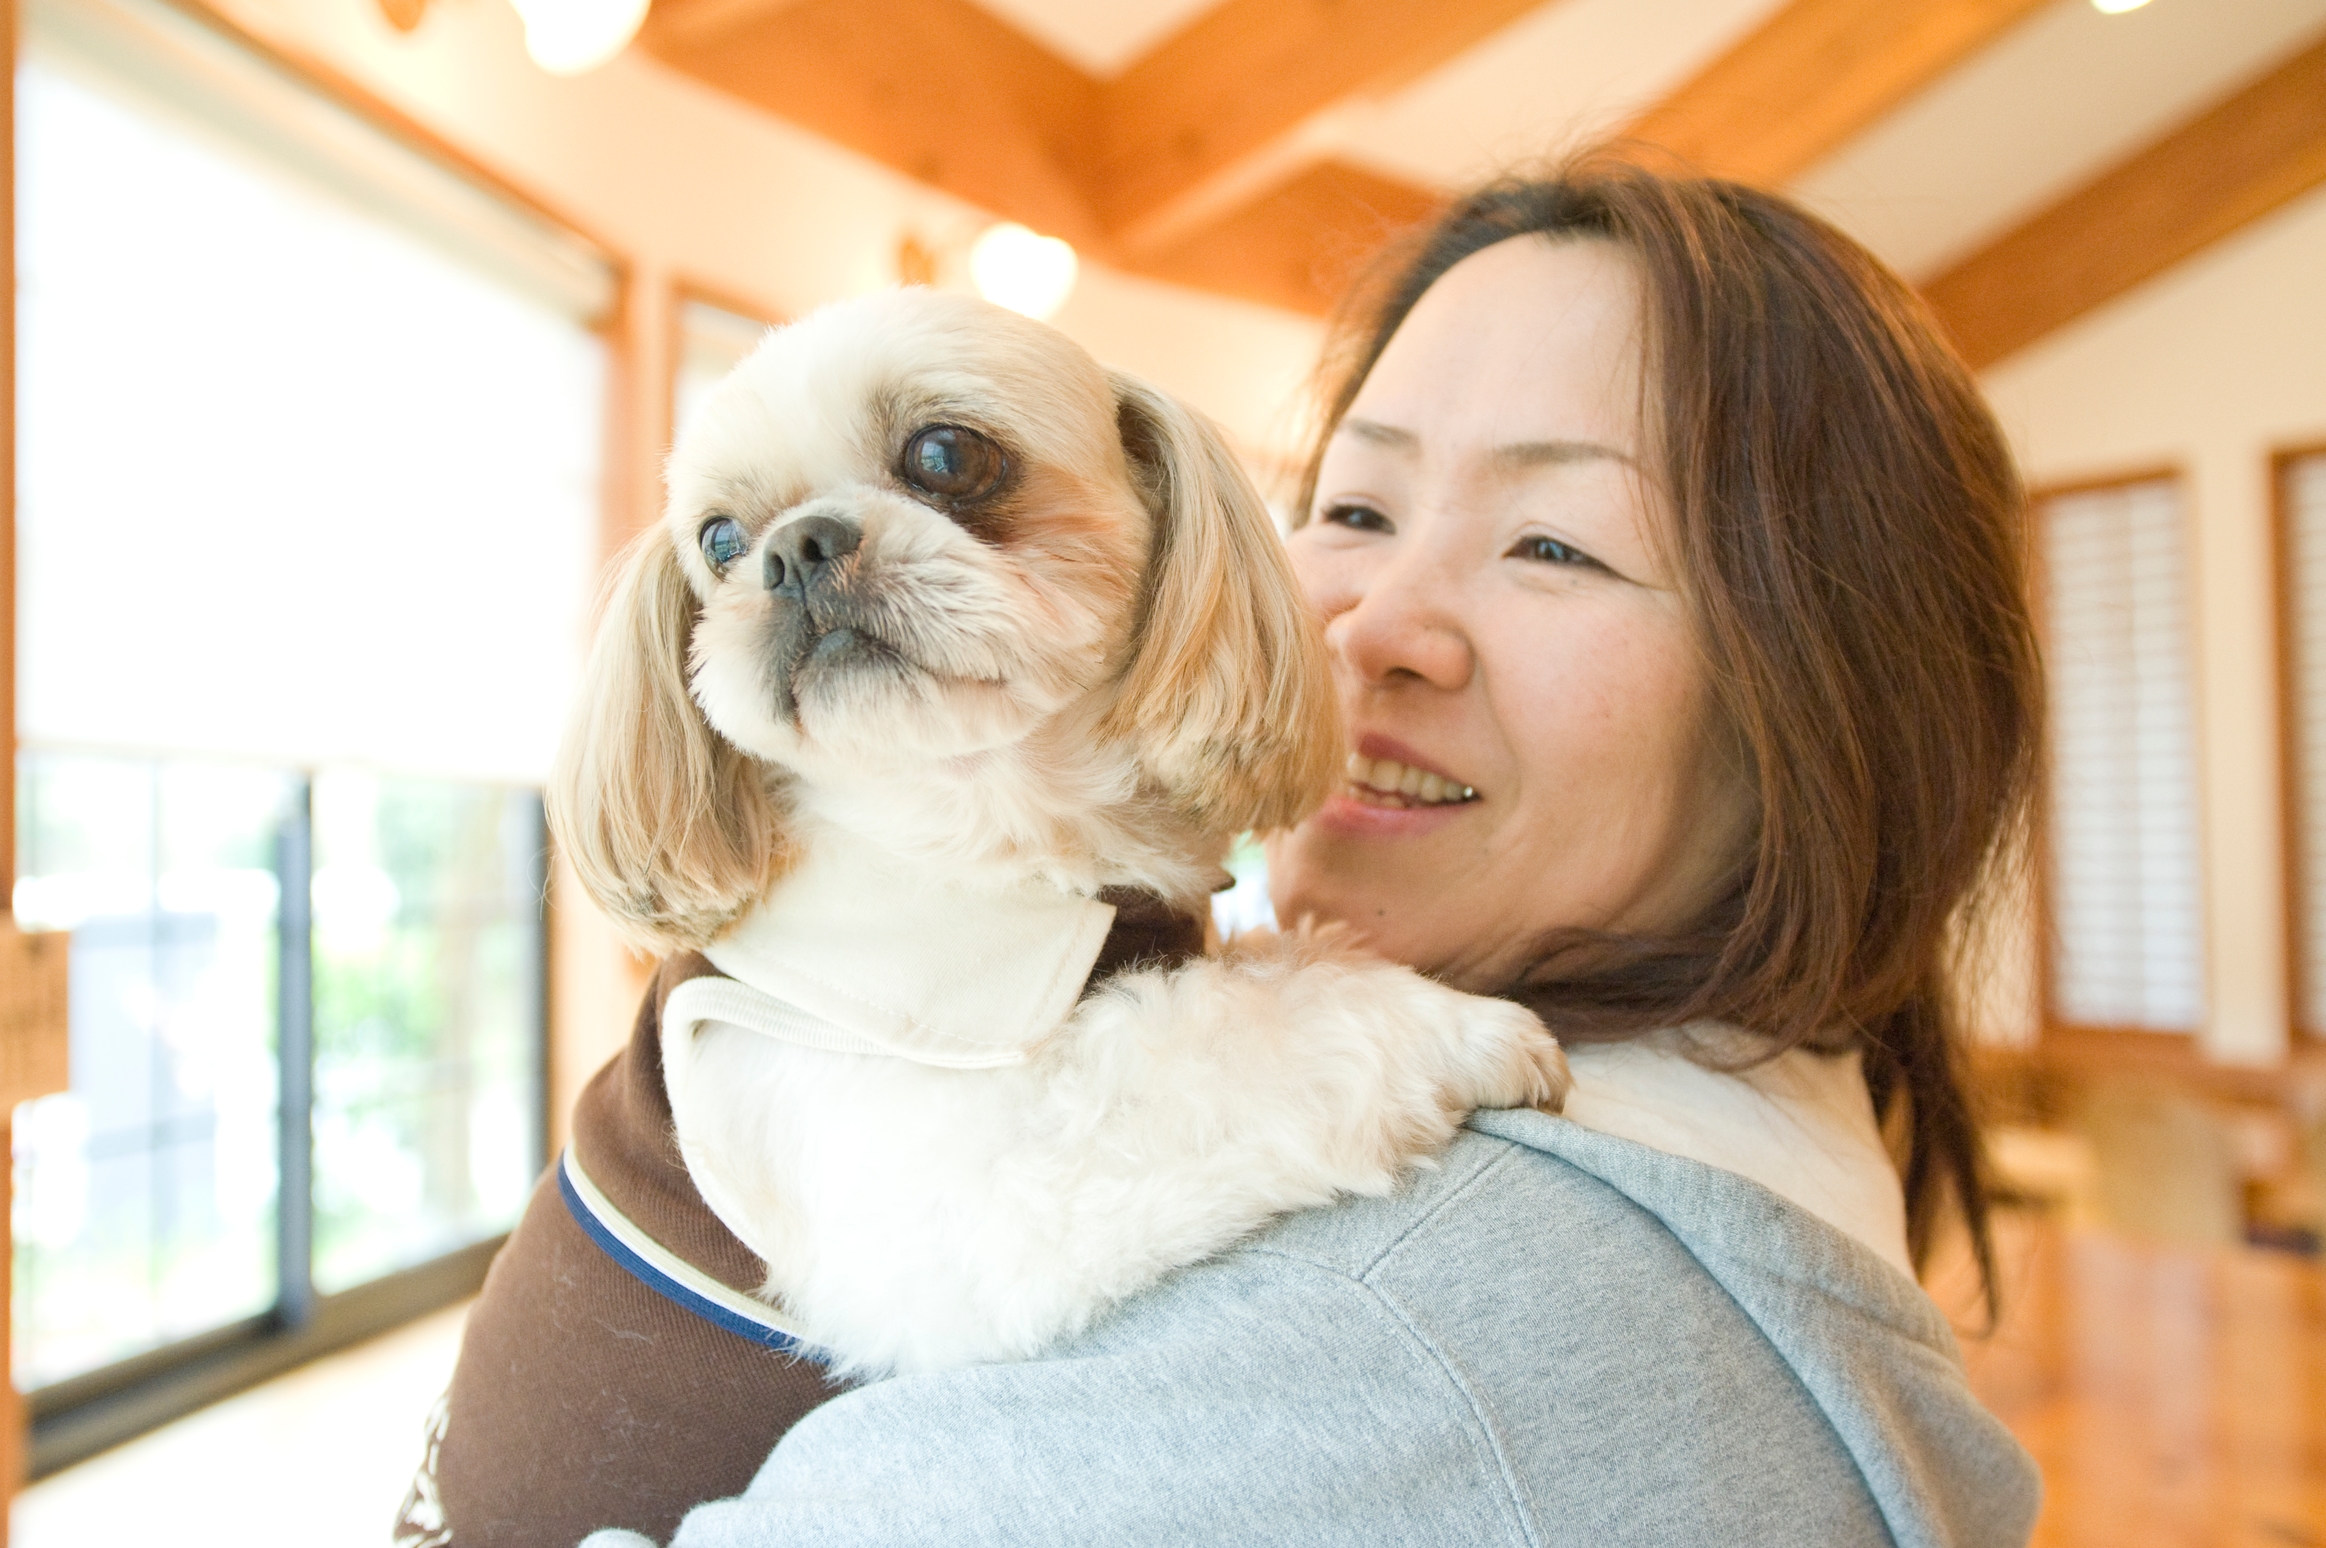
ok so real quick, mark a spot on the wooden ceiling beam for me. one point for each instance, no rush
(1298, 245)
(1190, 115)
(1188, 165)
(1247, 73)
(939, 90)
(1813, 76)
(2217, 172)
(702, 19)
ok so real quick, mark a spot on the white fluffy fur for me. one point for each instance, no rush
(1094, 683)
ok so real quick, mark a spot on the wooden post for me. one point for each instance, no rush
(34, 1040)
(12, 1438)
(594, 980)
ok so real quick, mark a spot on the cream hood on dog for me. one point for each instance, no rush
(853, 953)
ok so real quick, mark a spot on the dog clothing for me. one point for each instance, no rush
(616, 1371)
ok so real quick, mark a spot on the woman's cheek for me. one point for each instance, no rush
(1608, 737)
(1327, 572)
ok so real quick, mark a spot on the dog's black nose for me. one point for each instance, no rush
(799, 552)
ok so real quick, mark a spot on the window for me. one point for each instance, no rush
(712, 340)
(145, 1199)
(308, 444)
(2123, 881)
(2302, 623)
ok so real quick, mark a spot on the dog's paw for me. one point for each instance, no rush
(1508, 1056)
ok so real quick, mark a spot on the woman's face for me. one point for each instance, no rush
(1489, 553)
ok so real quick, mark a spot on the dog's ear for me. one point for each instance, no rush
(673, 831)
(1228, 690)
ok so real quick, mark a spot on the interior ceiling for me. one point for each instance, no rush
(1255, 147)
(1101, 36)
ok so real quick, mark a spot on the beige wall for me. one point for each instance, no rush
(2209, 369)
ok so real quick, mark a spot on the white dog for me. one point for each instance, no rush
(945, 631)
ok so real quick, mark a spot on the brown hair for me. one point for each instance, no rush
(1849, 528)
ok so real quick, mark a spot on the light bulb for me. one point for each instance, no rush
(566, 37)
(2117, 7)
(1022, 270)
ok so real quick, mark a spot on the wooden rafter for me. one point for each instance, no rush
(2215, 173)
(1812, 76)
(1298, 245)
(940, 90)
(1248, 72)
(1792, 92)
(1004, 123)
(1179, 167)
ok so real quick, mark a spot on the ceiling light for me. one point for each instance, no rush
(2117, 7)
(566, 37)
(1022, 270)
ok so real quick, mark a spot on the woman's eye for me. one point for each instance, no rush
(1362, 518)
(954, 463)
(1549, 550)
(721, 540)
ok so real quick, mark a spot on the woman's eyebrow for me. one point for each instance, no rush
(1374, 433)
(1535, 454)
(1517, 456)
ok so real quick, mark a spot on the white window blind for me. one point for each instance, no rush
(2304, 503)
(2124, 883)
(309, 423)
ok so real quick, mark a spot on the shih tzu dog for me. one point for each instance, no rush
(946, 633)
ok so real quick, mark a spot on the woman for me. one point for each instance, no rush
(1671, 572)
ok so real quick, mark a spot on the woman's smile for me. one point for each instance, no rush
(1383, 771)
(1388, 791)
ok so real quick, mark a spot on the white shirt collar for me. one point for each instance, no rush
(1801, 1125)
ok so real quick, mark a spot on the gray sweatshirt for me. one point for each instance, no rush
(1553, 1337)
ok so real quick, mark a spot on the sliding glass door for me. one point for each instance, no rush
(171, 1191)
(146, 1197)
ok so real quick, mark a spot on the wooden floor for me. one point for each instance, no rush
(2174, 1396)
(319, 1458)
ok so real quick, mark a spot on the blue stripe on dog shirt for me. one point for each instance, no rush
(665, 1273)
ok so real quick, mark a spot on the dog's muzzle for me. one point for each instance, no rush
(816, 622)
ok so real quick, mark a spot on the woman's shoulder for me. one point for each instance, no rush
(1540, 1338)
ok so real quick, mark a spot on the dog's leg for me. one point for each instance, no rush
(1328, 1068)
(1182, 1110)
(964, 1216)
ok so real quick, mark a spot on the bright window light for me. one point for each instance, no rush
(568, 37)
(2117, 7)
(343, 486)
(1022, 270)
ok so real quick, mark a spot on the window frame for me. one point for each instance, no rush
(2282, 463)
(2054, 1027)
(681, 293)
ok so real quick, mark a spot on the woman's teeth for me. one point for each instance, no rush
(1384, 782)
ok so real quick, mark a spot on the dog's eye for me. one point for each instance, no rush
(722, 540)
(954, 463)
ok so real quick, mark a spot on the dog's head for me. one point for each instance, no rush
(909, 532)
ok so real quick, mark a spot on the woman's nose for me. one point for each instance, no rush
(1396, 627)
